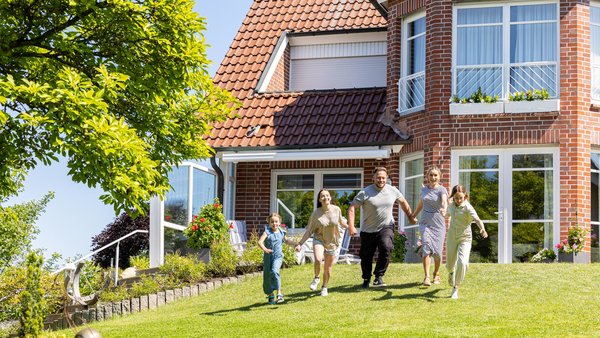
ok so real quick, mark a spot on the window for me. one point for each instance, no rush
(595, 206)
(411, 86)
(338, 61)
(595, 50)
(295, 193)
(506, 49)
(410, 186)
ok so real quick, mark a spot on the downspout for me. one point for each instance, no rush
(220, 178)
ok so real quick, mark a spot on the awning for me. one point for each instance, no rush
(309, 155)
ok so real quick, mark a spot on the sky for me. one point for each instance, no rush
(76, 213)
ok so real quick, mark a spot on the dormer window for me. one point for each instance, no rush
(328, 61)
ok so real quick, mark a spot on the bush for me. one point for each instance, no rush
(33, 306)
(223, 260)
(140, 262)
(252, 257)
(115, 294)
(132, 246)
(399, 251)
(208, 227)
(183, 269)
(145, 286)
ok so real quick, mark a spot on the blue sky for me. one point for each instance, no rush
(76, 214)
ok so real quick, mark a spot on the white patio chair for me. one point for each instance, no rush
(237, 235)
(343, 252)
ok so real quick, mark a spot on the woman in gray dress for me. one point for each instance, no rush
(432, 223)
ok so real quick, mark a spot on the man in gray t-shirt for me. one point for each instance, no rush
(377, 231)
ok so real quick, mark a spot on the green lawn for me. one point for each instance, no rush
(525, 300)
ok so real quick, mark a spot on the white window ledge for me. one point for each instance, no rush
(509, 107)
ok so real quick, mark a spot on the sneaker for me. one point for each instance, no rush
(454, 294)
(366, 283)
(324, 292)
(379, 282)
(314, 283)
(436, 279)
(451, 278)
(279, 298)
(271, 299)
(427, 281)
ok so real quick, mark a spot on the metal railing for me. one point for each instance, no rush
(71, 265)
(411, 90)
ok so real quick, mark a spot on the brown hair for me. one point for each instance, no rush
(378, 169)
(273, 214)
(459, 188)
(319, 198)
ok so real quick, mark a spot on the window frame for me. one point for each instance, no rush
(506, 62)
(595, 100)
(404, 64)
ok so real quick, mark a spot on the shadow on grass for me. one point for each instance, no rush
(289, 299)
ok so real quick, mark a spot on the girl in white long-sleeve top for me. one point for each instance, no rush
(459, 236)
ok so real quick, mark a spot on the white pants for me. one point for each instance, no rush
(458, 250)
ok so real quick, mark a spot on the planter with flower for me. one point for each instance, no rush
(531, 101)
(570, 249)
(206, 228)
(478, 103)
(543, 256)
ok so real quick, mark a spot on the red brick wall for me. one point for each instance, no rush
(435, 132)
(281, 76)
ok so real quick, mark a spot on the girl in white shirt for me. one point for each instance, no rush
(459, 237)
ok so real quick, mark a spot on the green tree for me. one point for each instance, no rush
(33, 306)
(119, 88)
(18, 228)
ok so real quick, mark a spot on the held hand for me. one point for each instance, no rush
(443, 212)
(352, 230)
(269, 251)
(298, 247)
(413, 220)
(483, 233)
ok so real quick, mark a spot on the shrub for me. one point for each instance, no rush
(208, 227)
(115, 294)
(399, 251)
(183, 269)
(252, 257)
(33, 306)
(134, 245)
(140, 262)
(223, 260)
(146, 285)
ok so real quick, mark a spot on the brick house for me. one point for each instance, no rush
(332, 88)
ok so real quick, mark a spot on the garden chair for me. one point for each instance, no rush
(343, 252)
(237, 235)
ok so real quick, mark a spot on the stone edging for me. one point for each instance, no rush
(147, 302)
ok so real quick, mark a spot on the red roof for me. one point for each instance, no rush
(300, 118)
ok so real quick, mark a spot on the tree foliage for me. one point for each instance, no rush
(33, 305)
(18, 229)
(131, 246)
(118, 87)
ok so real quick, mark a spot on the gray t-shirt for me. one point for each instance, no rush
(377, 206)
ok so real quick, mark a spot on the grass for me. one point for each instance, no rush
(524, 300)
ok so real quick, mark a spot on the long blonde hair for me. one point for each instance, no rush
(272, 215)
(434, 168)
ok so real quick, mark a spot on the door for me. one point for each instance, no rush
(512, 191)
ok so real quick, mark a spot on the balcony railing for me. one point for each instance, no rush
(411, 90)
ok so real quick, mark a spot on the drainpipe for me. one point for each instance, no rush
(220, 178)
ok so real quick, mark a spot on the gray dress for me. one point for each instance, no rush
(432, 224)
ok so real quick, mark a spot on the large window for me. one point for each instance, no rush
(506, 49)
(411, 86)
(410, 185)
(295, 193)
(595, 50)
(595, 203)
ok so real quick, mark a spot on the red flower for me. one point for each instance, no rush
(231, 225)
(217, 205)
(194, 227)
(282, 225)
(202, 220)
(167, 218)
(194, 217)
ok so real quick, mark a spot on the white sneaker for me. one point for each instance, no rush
(454, 293)
(314, 283)
(324, 292)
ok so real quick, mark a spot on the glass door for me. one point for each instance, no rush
(512, 191)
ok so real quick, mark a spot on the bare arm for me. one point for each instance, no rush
(351, 227)
(261, 243)
(444, 208)
(482, 231)
(418, 208)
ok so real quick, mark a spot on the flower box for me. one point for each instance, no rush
(476, 108)
(580, 257)
(536, 106)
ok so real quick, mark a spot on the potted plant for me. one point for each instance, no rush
(531, 101)
(206, 228)
(478, 103)
(543, 256)
(569, 249)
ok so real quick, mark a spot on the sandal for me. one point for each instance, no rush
(427, 281)
(271, 299)
(436, 279)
